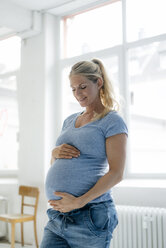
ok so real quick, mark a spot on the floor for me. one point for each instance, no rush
(5, 244)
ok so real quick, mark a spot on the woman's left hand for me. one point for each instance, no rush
(66, 204)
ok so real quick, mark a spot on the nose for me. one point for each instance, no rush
(77, 92)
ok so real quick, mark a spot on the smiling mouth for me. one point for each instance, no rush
(81, 100)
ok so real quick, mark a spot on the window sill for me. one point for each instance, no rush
(8, 173)
(8, 177)
(142, 183)
(8, 181)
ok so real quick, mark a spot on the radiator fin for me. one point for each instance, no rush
(140, 227)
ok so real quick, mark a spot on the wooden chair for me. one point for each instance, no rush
(24, 191)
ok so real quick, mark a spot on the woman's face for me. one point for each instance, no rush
(84, 90)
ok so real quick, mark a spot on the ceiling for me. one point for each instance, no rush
(17, 15)
(57, 7)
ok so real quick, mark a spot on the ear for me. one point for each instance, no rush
(100, 83)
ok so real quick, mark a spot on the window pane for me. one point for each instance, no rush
(92, 30)
(8, 82)
(9, 124)
(10, 54)
(147, 72)
(112, 68)
(8, 133)
(145, 18)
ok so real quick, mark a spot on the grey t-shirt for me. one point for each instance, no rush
(77, 175)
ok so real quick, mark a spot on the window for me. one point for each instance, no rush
(9, 64)
(111, 64)
(148, 115)
(92, 30)
(145, 18)
(137, 67)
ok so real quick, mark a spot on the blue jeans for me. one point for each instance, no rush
(88, 227)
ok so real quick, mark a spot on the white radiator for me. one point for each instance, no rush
(140, 227)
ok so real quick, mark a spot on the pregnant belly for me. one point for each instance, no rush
(74, 176)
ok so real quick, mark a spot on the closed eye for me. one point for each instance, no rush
(81, 87)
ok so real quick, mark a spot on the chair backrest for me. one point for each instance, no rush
(27, 191)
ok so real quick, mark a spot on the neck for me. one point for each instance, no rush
(97, 108)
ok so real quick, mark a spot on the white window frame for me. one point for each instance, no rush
(122, 52)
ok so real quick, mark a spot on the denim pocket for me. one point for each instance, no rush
(98, 216)
(113, 218)
(97, 219)
(101, 218)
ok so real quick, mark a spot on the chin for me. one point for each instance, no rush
(82, 105)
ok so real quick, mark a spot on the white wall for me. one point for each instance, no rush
(31, 95)
(143, 195)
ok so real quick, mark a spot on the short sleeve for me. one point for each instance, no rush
(68, 121)
(64, 124)
(114, 124)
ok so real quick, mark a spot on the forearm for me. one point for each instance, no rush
(103, 184)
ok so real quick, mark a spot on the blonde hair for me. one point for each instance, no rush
(93, 70)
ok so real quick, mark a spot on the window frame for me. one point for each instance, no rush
(70, 15)
(121, 51)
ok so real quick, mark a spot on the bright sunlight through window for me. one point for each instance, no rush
(9, 64)
(96, 29)
(137, 67)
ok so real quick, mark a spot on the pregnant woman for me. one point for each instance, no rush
(87, 162)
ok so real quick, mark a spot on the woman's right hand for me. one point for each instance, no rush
(65, 151)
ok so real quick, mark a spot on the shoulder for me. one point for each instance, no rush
(114, 116)
(70, 119)
(113, 123)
